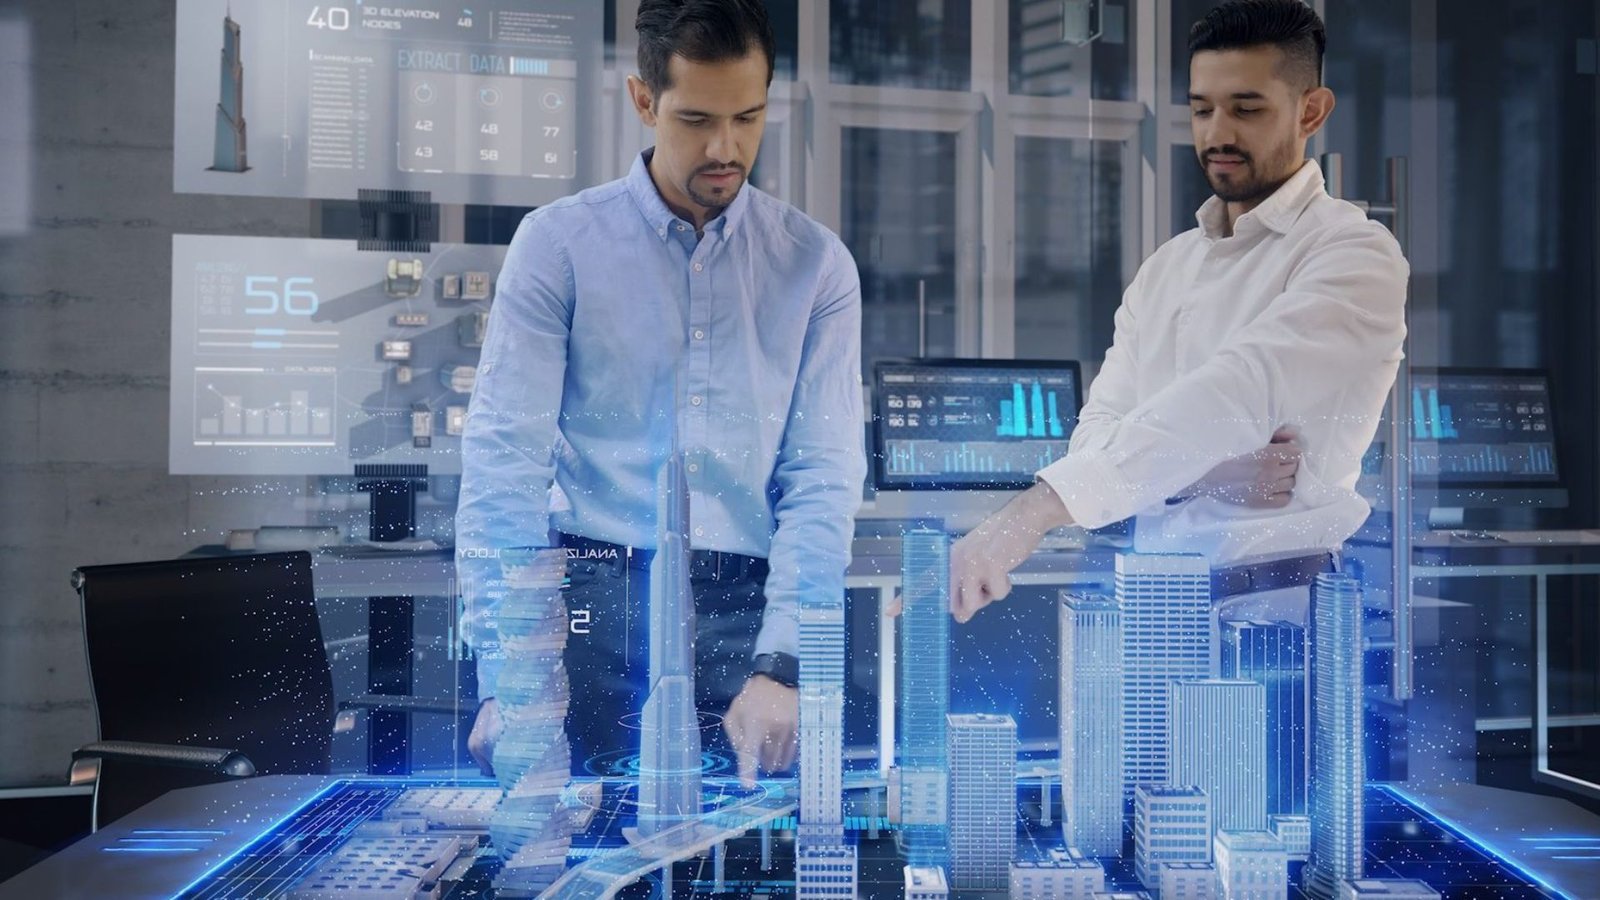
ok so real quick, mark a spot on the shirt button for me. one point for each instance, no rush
(699, 334)
(682, 227)
(699, 532)
(694, 467)
(698, 267)
(695, 401)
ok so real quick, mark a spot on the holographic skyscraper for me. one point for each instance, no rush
(1273, 654)
(670, 764)
(530, 828)
(825, 865)
(983, 801)
(925, 696)
(230, 154)
(1337, 772)
(1091, 723)
(1166, 636)
(1170, 824)
(1218, 730)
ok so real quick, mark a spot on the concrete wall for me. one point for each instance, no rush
(85, 288)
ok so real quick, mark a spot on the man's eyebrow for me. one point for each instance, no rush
(695, 112)
(1240, 95)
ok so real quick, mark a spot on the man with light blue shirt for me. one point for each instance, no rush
(679, 303)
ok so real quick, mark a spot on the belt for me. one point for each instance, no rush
(1270, 576)
(709, 565)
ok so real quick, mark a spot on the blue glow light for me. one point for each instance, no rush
(150, 849)
(1458, 831)
(174, 831)
(265, 837)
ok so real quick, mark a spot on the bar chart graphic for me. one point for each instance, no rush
(935, 457)
(1487, 459)
(1031, 412)
(1432, 420)
(245, 407)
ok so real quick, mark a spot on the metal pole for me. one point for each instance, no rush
(1400, 483)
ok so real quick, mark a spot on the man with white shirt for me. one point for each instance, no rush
(1271, 331)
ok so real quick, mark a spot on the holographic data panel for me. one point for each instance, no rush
(475, 103)
(306, 357)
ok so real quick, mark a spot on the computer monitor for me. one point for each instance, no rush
(970, 424)
(1484, 437)
(297, 356)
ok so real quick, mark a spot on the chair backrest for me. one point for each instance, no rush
(212, 651)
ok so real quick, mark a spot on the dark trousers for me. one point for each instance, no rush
(608, 649)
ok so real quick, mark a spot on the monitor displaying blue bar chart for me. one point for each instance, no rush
(971, 424)
(1482, 426)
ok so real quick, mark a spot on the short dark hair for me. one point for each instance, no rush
(704, 31)
(1290, 25)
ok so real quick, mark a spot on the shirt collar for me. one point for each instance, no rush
(1278, 212)
(661, 218)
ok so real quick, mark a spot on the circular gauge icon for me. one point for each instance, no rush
(553, 100)
(489, 97)
(423, 93)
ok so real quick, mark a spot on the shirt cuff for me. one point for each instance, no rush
(779, 634)
(1092, 489)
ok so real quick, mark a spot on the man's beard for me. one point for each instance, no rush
(716, 203)
(1244, 185)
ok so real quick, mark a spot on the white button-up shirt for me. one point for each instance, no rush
(1296, 319)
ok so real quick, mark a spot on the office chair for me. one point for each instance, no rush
(205, 669)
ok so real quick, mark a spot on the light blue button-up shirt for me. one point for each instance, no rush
(614, 322)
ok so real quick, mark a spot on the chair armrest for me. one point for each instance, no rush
(346, 719)
(219, 760)
(403, 703)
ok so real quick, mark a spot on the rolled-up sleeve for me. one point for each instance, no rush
(507, 449)
(1342, 312)
(821, 463)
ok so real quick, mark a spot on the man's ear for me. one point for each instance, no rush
(644, 102)
(1317, 106)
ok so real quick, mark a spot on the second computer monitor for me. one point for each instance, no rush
(1485, 437)
(969, 424)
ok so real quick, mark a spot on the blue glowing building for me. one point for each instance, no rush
(1252, 865)
(1337, 775)
(1218, 730)
(983, 801)
(825, 866)
(1273, 654)
(925, 697)
(1091, 724)
(1166, 637)
(669, 746)
(1170, 825)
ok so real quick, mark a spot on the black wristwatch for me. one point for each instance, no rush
(780, 667)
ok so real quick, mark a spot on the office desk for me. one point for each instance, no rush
(1441, 557)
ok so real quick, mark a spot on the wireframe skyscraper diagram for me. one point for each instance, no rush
(1218, 734)
(983, 801)
(1337, 773)
(1091, 723)
(1273, 654)
(670, 764)
(532, 759)
(925, 696)
(825, 865)
(230, 152)
(1166, 637)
